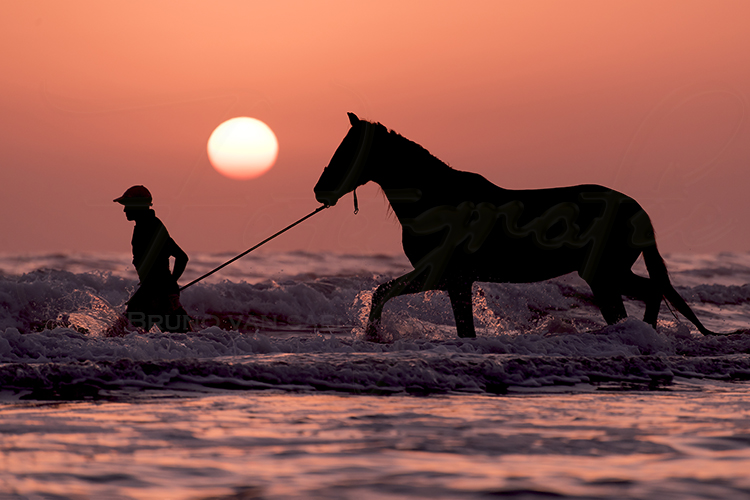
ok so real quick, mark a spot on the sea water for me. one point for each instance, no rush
(278, 395)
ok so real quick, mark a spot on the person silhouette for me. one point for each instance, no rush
(157, 300)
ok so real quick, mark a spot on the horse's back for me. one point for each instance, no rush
(462, 186)
(459, 186)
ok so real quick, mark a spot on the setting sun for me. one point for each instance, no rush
(242, 148)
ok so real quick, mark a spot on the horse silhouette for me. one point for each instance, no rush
(458, 228)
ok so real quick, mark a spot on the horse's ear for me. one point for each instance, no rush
(353, 118)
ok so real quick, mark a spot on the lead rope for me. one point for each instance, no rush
(323, 207)
(356, 204)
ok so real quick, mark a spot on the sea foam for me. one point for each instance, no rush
(305, 332)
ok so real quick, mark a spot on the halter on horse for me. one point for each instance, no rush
(458, 228)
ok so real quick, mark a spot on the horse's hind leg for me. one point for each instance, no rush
(644, 289)
(412, 282)
(608, 296)
(460, 296)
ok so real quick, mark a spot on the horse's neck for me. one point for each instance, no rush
(411, 178)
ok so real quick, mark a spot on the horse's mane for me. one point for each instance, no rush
(406, 148)
(418, 158)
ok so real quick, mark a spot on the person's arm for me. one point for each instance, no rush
(180, 261)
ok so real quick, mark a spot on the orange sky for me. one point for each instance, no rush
(651, 98)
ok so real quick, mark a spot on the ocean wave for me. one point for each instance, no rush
(631, 337)
(64, 363)
(306, 333)
(46, 299)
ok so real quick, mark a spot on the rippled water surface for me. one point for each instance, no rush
(692, 441)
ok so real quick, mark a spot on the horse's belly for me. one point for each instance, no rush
(495, 261)
(522, 267)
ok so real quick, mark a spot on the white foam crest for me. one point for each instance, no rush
(253, 268)
(323, 301)
(45, 299)
(48, 296)
(64, 363)
(631, 337)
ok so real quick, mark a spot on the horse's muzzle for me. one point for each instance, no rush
(327, 197)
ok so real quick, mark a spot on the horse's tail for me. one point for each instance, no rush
(657, 271)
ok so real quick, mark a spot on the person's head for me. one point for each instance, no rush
(136, 200)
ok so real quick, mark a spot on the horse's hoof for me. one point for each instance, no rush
(371, 333)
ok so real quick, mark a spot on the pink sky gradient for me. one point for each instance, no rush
(650, 98)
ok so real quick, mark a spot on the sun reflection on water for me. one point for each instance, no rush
(599, 445)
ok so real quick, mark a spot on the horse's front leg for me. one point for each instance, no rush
(412, 282)
(460, 295)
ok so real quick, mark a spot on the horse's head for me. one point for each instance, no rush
(346, 170)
